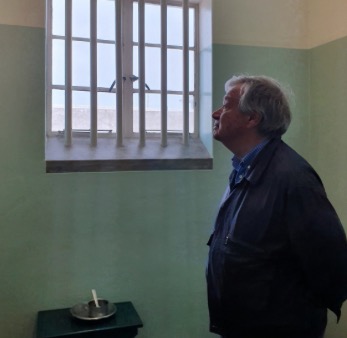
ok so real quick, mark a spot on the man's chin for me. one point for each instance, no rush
(216, 136)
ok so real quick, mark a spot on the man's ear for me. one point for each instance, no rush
(254, 119)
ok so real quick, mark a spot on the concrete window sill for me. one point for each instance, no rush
(106, 157)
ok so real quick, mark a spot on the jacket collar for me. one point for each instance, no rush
(261, 162)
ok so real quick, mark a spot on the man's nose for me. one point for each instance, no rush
(217, 113)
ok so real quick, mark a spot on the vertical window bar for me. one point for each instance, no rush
(142, 81)
(127, 68)
(185, 72)
(196, 74)
(68, 72)
(49, 104)
(93, 74)
(163, 73)
(119, 75)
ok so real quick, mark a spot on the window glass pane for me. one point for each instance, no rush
(136, 113)
(175, 113)
(135, 65)
(81, 18)
(58, 110)
(153, 113)
(58, 62)
(191, 27)
(191, 70)
(80, 110)
(135, 22)
(175, 69)
(106, 65)
(152, 67)
(107, 112)
(152, 23)
(58, 17)
(80, 63)
(174, 26)
(106, 20)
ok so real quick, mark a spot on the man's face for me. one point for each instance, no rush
(229, 123)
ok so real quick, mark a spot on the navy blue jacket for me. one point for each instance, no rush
(278, 253)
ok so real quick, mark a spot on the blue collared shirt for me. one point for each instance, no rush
(241, 166)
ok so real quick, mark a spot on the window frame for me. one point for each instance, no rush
(68, 155)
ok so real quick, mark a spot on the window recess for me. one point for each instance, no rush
(122, 87)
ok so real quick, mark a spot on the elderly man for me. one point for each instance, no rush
(278, 252)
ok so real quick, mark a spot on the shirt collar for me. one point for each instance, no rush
(241, 166)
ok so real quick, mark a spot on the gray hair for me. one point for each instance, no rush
(265, 96)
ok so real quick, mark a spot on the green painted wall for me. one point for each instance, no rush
(136, 236)
(328, 118)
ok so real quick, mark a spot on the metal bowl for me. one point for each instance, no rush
(89, 311)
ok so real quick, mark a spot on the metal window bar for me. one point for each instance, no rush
(93, 74)
(163, 8)
(185, 72)
(119, 75)
(68, 73)
(49, 67)
(142, 80)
